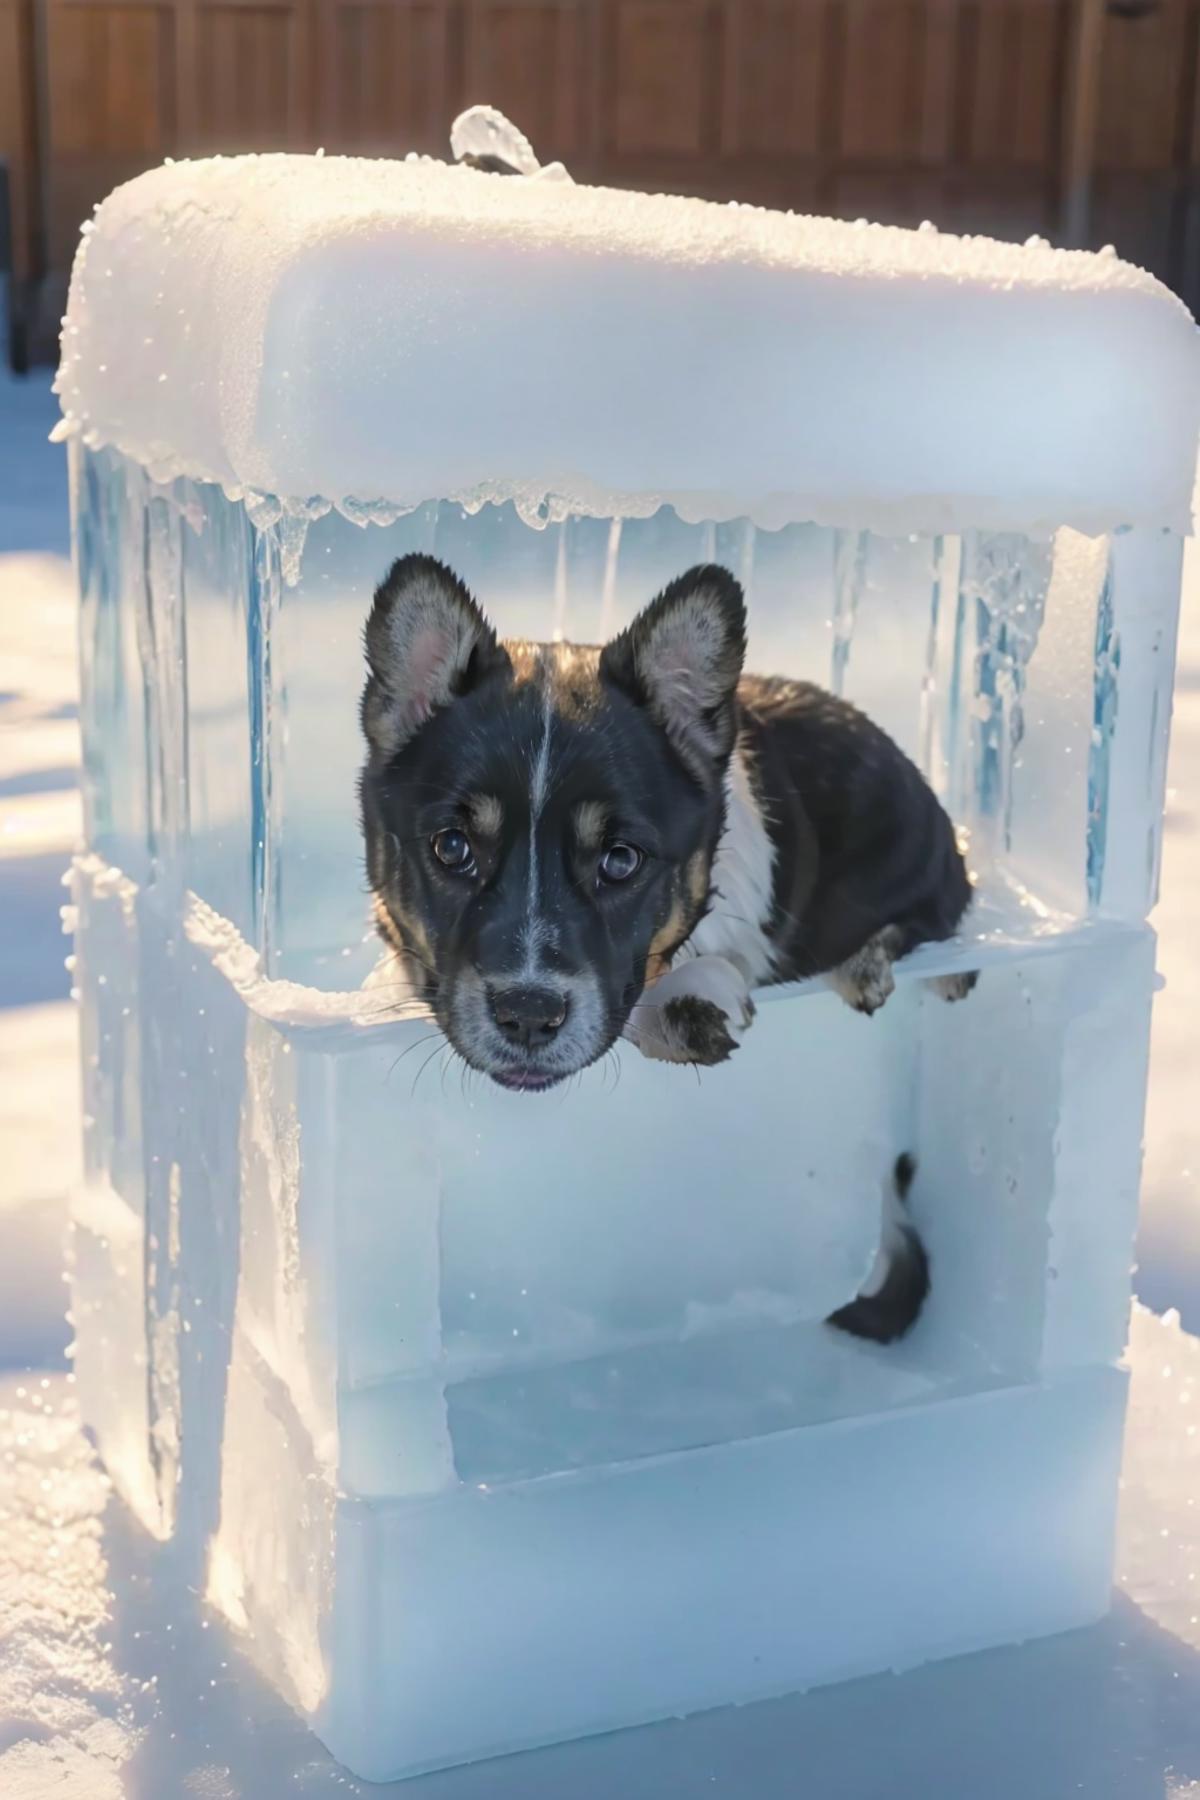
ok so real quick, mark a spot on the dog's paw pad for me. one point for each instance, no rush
(698, 1013)
(698, 1031)
(954, 987)
(868, 1000)
(866, 981)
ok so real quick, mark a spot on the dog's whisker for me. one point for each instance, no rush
(398, 1011)
(429, 1036)
(435, 1052)
(447, 1066)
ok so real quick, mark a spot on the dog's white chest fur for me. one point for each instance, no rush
(729, 952)
(742, 875)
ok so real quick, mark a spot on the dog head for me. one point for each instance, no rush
(541, 819)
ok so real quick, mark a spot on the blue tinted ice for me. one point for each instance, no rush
(363, 1336)
(492, 1419)
(249, 798)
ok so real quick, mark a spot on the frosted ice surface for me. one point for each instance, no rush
(586, 350)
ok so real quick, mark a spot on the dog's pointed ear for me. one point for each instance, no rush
(426, 643)
(682, 658)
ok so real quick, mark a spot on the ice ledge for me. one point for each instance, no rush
(290, 1003)
(540, 504)
(998, 929)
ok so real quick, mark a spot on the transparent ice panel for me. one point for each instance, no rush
(223, 665)
(218, 575)
(342, 1314)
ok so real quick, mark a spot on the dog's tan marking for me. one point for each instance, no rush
(526, 659)
(665, 941)
(386, 924)
(417, 940)
(672, 931)
(590, 820)
(698, 872)
(486, 814)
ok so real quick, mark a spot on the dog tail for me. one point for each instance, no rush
(891, 1300)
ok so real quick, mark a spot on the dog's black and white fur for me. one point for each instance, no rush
(569, 844)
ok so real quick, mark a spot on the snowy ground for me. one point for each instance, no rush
(109, 1690)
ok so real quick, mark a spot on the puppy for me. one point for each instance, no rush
(565, 844)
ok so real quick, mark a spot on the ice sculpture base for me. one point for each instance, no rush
(484, 1447)
(490, 1621)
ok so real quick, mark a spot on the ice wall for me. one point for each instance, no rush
(1029, 678)
(331, 1295)
(371, 1352)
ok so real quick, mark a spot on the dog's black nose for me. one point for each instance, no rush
(528, 1016)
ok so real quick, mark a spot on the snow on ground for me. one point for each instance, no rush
(39, 826)
(111, 1688)
(114, 1688)
(1168, 1272)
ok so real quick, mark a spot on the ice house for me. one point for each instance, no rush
(490, 1420)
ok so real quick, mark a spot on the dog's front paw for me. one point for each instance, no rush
(865, 980)
(953, 987)
(695, 1031)
(696, 1014)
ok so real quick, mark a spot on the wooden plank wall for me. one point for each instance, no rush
(985, 115)
(17, 131)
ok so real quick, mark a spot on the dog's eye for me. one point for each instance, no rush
(619, 862)
(453, 850)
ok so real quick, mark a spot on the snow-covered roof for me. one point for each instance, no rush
(331, 327)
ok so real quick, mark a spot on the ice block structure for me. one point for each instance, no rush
(492, 1420)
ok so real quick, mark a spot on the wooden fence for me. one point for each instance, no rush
(1073, 118)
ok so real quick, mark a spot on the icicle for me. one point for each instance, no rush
(265, 736)
(1104, 720)
(559, 630)
(293, 530)
(928, 736)
(608, 593)
(264, 509)
(158, 619)
(849, 577)
(746, 561)
(734, 547)
(1007, 578)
